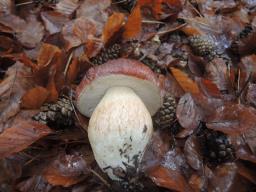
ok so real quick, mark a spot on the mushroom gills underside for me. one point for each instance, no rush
(93, 93)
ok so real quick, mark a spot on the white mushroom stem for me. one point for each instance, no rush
(119, 130)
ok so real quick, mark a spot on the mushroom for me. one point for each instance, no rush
(120, 97)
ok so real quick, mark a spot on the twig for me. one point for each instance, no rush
(73, 107)
(25, 3)
(195, 9)
(245, 85)
(153, 22)
(68, 64)
(172, 29)
(101, 178)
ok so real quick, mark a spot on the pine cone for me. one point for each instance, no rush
(203, 46)
(152, 65)
(56, 115)
(243, 34)
(166, 114)
(216, 147)
(110, 53)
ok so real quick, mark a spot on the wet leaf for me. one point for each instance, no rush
(20, 136)
(247, 45)
(113, 25)
(169, 174)
(192, 153)
(34, 183)
(12, 88)
(217, 73)
(224, 177)
(185, 82)
(34, 98)
(188, 113)
(132, 27)
(66, 170)
(250, 138)
(233, 119)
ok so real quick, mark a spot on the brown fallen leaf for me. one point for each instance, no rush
(12, 88)
(20, 136)
(67, 7)
(53, 21)
(132, 27)
(188, 112)
(113, 25)
(32, 33)
(232, 119)
(34, 98)
(66, 170)
(78, 32)
(185, 82)
(96, 11)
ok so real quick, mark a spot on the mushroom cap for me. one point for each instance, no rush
(120, 72)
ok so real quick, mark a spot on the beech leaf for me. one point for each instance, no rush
(34, 98)
(232, 119)
(20, 136)
(188, 113)
(184, 81)
(133, 26)
(113, 25)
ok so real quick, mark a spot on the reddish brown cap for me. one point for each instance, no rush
(118, 73)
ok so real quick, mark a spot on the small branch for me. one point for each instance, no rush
(101, 178)
(171, 30)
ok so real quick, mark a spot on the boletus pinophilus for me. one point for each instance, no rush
(120, 97)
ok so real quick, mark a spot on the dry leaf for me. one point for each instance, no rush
(133, 26)
(32, 33)
(67, 7)
(53, 21)
(113, 25)
(34, 98)
(185, 82)
(20, 136)
(96, 11)
(78, 32)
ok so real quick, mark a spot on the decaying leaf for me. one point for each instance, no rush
(20, 136)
